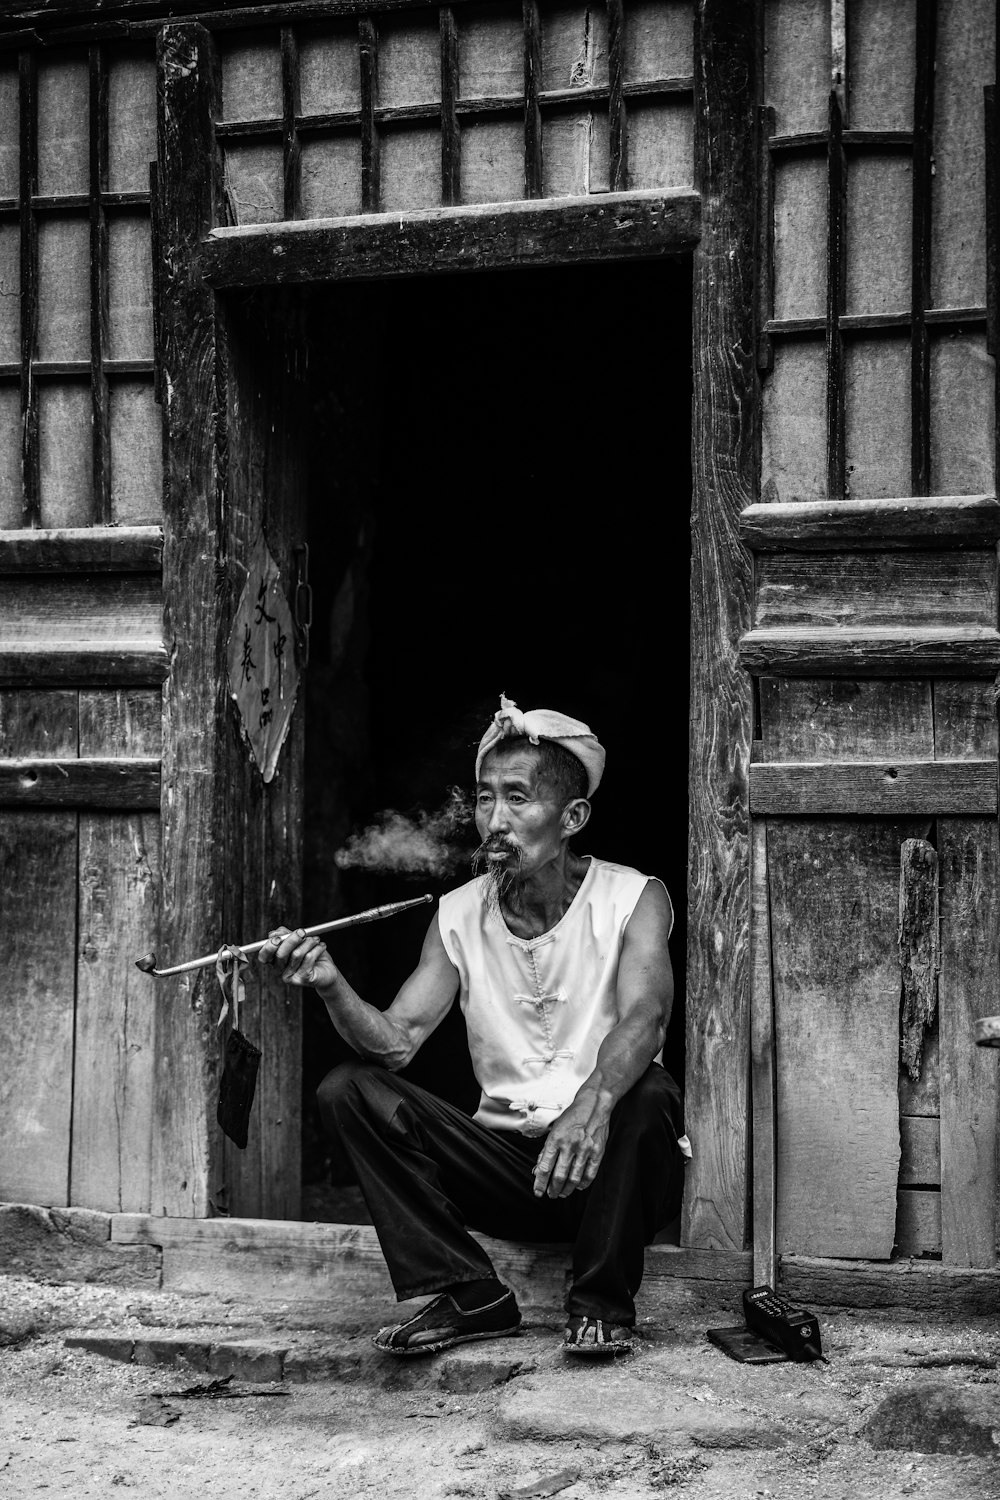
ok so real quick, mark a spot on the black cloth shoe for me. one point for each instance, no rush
(596, 1339)
(443, 1323)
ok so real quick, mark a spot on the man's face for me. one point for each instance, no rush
(517, 818)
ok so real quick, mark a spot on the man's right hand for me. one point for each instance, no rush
(303, 960)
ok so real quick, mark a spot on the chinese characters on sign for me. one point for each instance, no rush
(263, 675)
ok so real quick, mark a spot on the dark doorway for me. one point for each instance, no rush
(499, 502)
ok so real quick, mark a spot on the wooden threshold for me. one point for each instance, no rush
(537, 232)
(293, 1260)
(125, 785)
(972, 651)
(84, 549)
(861, 525)
(885, 788)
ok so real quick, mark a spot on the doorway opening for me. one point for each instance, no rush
(499, 501)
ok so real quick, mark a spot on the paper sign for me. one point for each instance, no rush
(263, 675)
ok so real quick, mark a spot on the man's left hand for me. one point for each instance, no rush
(573, 1150)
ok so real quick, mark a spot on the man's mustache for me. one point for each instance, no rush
(497, 844)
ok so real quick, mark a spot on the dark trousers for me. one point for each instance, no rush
(427, 1171)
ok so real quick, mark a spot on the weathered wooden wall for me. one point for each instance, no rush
(874, 635)
(385, 112)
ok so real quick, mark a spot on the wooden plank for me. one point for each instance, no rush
(918, 1286)
(65, 433)
(38, 858)
(922, 1097)
(834, 898)
(532, 114)
(618, 133)
(114, 1040)
(38, 723)
(867, 590)
(920, 280)
(942, 520)
(131, 118)
(92, 782)
(63, 116)
(185, 1144)
(809, 719)
(726, 457)
(492, 161)
(105, 549)
(875, 789)
(878, 251)
(39, 611)
(660, 144)
(918, 652)
(836, 302)
(965, 719)
(970, 951)
(370, 165)
(410, 169)
(544, 232)
(762, 1063)
(129, 310)
(883, 52)
(919, 949)
(53, 665)
(291, 108)
(38, 916)
(100, 287)
(920, 1151)
(28, 186)
(451, 140)
(918, 1222)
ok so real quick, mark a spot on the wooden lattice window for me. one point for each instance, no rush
(464, 104)
(873, 252)
(79, 431)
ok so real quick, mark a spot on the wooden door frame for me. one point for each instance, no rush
(197, 259)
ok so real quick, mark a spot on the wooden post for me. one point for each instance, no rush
(184, 1134)
(725, 443)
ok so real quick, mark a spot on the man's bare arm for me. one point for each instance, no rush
(390, 1037)
(575, 1145)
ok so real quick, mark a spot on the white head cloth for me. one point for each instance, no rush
(545, 724)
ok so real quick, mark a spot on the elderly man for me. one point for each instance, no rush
(561, 968)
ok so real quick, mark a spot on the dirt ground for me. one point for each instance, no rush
(676, 1417)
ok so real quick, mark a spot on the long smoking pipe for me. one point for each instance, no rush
(374, 914)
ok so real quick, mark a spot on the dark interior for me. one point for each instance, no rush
(499, 501)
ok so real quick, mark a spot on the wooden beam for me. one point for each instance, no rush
(291, 109)
(532, 27)
(99, 288)
(83, 664)
(725, 472)
(121, 784)
(967, 988)
(371, 176)
(917, 1285)
(559, 231)
(31, 503)
(618, 154)
(920, 293)
(879, 789)
(836, 298)
(185, 1141)
(968, 652)
(78, 549)
(762, 1075)
(862, 525)
(451, 140)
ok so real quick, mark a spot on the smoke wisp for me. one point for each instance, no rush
(429, 843)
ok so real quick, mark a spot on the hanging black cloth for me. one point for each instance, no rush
(241, 1059)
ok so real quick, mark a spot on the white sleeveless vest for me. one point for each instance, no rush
(538, 1009)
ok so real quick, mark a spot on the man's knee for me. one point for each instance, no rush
(651, 1102)
(347, 1090)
